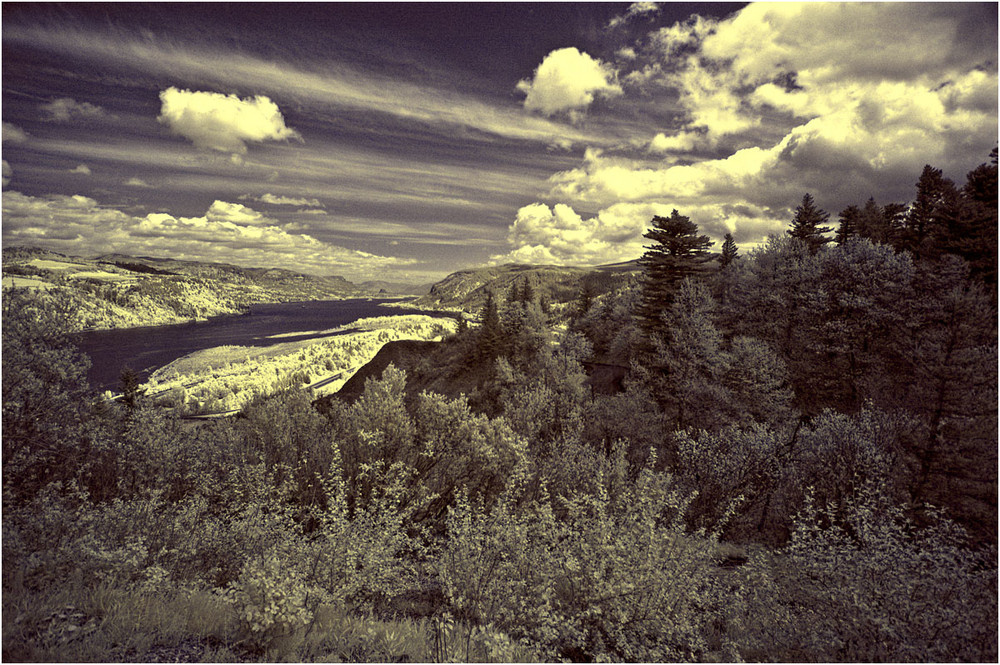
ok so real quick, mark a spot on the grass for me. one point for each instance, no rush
(118, 623)
(101, 275)
(26, 282)
(111, 622)
(49, 264)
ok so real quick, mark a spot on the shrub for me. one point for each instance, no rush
(442, 444)
(858, 582)
(591, 576)
(745, 462)
(271, 599)
(45, 395)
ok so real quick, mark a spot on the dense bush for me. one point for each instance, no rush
(439, 444)
(609, 575)
(858, 582)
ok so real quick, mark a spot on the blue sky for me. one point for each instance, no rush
(406, 141)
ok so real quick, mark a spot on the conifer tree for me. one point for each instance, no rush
(691, 361)
(894, 215)
(729, 251)
(807, 225)
(513, 293)
(880, 224)
(921, 218)
(585, 299)
(132, 392)
(848, 227)
(678, 251)
(872, 223)
(490, 335)
(527, 293)
(980, 191)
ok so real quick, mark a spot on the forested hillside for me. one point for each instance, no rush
(117, 291)
(554, 286)
(798, 463)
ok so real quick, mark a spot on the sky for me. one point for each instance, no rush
(406, 141)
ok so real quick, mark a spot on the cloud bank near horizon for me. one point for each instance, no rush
(226, 233)
(856, 97)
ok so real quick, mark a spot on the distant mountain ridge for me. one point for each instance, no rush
(467, 289)
(383, 287)
(210, 270)
(122, 291)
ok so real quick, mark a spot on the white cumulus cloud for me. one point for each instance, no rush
(679, 142)
(814, 59)
(82, 169)
(235, 213)
(559, 235)
(224, 123)
(568, 80)
(8, 173)
(844, 101)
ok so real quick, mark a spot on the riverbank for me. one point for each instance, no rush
(227, 378)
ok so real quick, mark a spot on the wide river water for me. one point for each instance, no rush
(149, 348)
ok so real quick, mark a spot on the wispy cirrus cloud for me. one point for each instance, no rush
(635, 10)
(342, 86)
(274, 199)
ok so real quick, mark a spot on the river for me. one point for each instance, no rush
(149, 348)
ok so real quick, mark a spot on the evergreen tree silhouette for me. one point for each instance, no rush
(678, 251)
(807, 225)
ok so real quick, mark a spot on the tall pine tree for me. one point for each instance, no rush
(490, 338)
(922, 219)
(729, 251)
(807, 225)
(981, 193)
(677, 252)
(848, 227)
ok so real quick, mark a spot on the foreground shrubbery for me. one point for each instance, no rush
(273, 550)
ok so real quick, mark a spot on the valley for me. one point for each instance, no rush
(117, 291)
